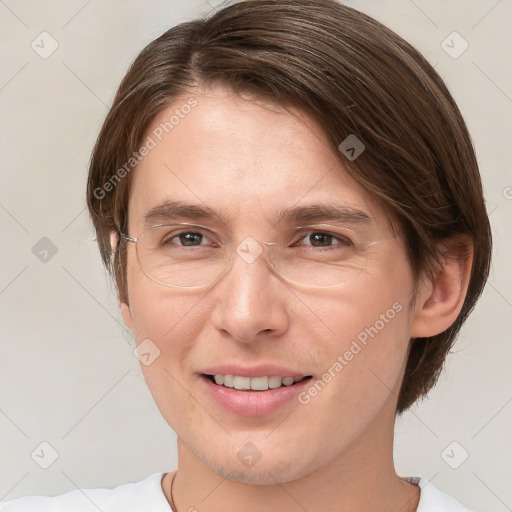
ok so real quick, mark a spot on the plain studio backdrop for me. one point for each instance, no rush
(68, 376)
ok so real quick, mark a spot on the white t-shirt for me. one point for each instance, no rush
(148, 496)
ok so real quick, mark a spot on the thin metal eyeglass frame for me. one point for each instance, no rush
(229, 261)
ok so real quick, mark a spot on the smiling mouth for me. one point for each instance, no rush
(255, 383)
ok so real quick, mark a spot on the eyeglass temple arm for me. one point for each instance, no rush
(128, 239)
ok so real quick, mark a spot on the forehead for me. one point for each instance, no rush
(245, 160)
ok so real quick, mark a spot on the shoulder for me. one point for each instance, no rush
(434, 500)
(145, 495)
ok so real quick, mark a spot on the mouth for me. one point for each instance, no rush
(263, 383)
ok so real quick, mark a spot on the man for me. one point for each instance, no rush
(288, 199)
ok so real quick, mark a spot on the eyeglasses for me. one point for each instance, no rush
(184, 255)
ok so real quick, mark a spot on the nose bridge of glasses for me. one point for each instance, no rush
(250, 250)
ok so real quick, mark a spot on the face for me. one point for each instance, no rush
(249, 165)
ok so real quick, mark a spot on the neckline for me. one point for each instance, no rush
(415, 480)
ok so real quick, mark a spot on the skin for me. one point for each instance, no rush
(247, 160)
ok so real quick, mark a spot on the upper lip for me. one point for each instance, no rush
(262, 370)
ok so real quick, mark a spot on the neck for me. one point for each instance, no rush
(363, 477)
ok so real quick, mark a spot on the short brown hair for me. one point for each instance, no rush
(353, 76)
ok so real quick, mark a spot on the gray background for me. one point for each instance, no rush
(68, 375)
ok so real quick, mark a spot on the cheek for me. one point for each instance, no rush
(368, 339)
(362, 371)
(365, 330)
(167, 328)
(374, 305)
(166, 325)
(159, 312)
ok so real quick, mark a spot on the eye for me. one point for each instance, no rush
(323, 239)
(186, 239)
(190, 238)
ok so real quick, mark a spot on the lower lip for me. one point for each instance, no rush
(253, 404)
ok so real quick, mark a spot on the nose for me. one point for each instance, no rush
(251, 302)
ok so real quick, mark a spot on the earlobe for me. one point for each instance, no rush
(114, 239)
(441, 297)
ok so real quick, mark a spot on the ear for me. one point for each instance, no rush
(125, 308)
(127, 315)
(442, 296)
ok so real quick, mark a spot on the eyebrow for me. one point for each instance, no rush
(343, 214)
(170, 210)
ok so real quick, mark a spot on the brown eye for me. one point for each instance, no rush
(323, 239)
(320, 239)
(190, 238)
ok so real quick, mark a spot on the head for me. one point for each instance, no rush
(279, 106)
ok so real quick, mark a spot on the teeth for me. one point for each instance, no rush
(288, 381)
(274, 382)
(242, 383)
(259, 383)
(255, 383)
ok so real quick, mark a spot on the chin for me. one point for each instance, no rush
(280, 468)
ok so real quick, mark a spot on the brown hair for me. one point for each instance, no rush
(353, 76)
